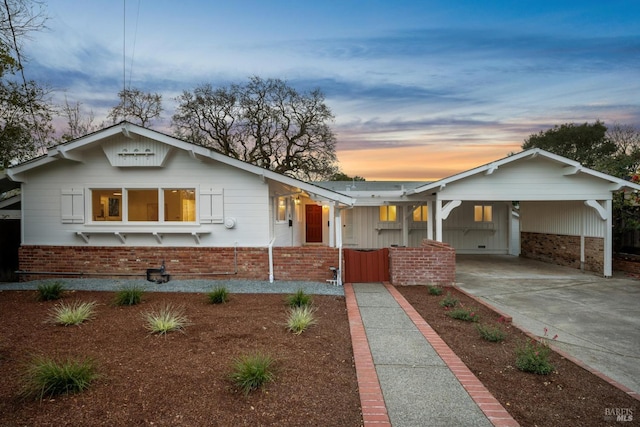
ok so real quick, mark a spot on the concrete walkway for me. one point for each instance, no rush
(597, 320)
(407, 375)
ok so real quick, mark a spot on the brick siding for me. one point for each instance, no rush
(563, 250)
(291, 263)
(628, 263)
(434, 263)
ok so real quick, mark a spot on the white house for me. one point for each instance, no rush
(125, 198)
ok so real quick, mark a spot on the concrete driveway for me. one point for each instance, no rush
(597, 320)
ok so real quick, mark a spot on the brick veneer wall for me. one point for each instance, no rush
(628, 263)
(563, 250)
(291, 263)
(434, 263)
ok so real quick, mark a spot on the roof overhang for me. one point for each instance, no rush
(70, 151)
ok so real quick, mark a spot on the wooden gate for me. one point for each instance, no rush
(366, 266)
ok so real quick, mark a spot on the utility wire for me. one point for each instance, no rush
(24, 79)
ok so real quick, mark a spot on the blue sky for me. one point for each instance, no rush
(420, 89)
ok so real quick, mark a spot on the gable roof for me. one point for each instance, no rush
(69, 150)
(572, 168)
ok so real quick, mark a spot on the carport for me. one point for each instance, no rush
(597, 320)
(534, 203)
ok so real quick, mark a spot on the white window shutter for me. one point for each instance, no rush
(211, 206)
(72, 205)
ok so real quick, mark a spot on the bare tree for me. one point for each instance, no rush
(78, 122)
(263, 122)
(138, 106)
(25, 107)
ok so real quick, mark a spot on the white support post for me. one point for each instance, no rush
(430, 208)
(438, 204)
(332, 226)
(608, 240)
(406, 211)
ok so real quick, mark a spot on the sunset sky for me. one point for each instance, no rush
(420, 89)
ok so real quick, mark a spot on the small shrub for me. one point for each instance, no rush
(166, 319)
(299, 299)
(448, 301)
(46, 377)
(73, 313)
(130, 295)
(462, 313)
(219, 295)
(533, 356)
(252, 371)
(435, 290)
(491, 332)
(50, 291)
(300, 318)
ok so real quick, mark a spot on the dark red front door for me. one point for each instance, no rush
(313, 219)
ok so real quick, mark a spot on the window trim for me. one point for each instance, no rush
(124, 205)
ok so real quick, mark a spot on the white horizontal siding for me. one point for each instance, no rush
(571, 218)
(246, 198)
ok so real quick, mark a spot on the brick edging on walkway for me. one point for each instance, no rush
(374, 410)
(489, 405)
(561, 352)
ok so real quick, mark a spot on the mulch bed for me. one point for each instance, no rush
(570, 396)
(182, 378)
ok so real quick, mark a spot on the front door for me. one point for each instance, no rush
(313, 220)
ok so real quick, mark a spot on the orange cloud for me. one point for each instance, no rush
(419, 163)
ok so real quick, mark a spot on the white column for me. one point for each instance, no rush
(438, 204)
(430, 208)
(332, 226)
(405, 225)
(608, 240)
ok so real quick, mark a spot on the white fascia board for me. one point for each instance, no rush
(11, 201)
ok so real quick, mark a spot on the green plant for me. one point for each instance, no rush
(491, 333)
(50, 291)
(435, 290)
(448, 301)
(166, 319)
(252, 371)
(129, 295)
(48, 377)
(299, 299)
(73, 313)
(300, 318)
(462, 313)
(533, 356)
(218, 295)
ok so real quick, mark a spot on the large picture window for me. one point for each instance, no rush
(143, 204)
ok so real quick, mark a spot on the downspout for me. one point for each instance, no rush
(271, 259)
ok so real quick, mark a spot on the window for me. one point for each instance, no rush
(282, 206)
(142, 204)
(483, 213)
(180, 205)
(106, 204)
(388, 213)
(420, 214)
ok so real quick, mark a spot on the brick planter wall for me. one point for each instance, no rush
(563, 250)
(432, 264)
(628, 263)
(292, 263)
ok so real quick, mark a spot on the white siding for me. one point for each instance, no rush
(365, 230)
(467, 236)
(528, 180)
(567, 218)
(246, 199)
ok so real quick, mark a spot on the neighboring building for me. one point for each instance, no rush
(121, 200)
